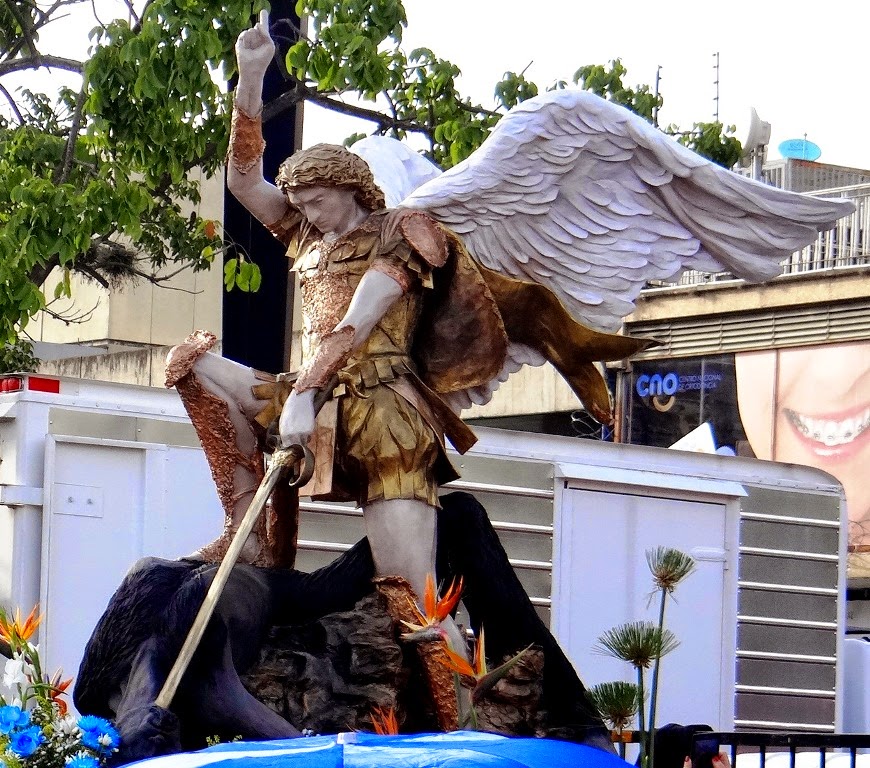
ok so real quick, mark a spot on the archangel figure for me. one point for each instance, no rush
(532, 250)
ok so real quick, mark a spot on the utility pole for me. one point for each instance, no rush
(256, 326)
(716, 85)
(656, 107)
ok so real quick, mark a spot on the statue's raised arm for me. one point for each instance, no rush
(254, 52)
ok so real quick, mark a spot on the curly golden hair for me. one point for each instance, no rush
(330, 165)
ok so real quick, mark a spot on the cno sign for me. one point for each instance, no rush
(656, 385)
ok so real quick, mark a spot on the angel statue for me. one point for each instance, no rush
(531, 250)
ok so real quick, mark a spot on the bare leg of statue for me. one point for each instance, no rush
(217, 395)
(401, 534)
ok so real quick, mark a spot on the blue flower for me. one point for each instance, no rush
(98, 734)
(92, 723)
(82, 760)
(24, 742)
(12, 717)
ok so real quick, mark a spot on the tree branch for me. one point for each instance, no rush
(12, 104)
(159, 280)
(97, 15)
(91, 273)
(301, 92)
(477, 110)
(430, 108)
(137, 27)
(80, 317)
(47, 16)
(40, 272)
(40, 60)
(62, 171)
(166, 180)
(26, 27)
(132, 11)
(44, 17)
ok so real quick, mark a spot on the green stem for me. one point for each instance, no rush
(654, 685)
(641, 722)
(464, 705)
(475, 725)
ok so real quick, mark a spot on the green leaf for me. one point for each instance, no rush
(256, 278)
(230, 273)
(243, 278)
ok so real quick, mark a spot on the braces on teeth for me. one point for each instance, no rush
(828, 432)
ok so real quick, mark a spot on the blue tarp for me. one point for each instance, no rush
(367, 750)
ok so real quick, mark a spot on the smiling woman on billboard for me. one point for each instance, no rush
(811, 405)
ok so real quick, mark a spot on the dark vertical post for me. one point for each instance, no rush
(255, 325)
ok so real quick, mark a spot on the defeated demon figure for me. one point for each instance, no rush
(138, 637)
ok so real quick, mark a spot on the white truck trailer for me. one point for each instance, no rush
(95, 475)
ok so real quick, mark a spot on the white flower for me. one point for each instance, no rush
(68, 725)
(13, 673)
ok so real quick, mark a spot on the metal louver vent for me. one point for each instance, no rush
(784, 327)
(787, 612)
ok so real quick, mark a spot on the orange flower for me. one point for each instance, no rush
(385, 722)
(459, 664)
(484, 679)
(435, 609)
(56, 689)
(14, 632)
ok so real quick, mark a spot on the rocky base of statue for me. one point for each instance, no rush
(335, 673)
(515, 705)
(329, 675)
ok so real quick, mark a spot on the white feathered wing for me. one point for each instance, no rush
(586, 198)
(590, 201)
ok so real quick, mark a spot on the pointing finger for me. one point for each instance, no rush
(264, 20)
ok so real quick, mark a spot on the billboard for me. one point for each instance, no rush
(802, 405)
(811, 405)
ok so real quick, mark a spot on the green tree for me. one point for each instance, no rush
(713, 140)
(94, 179)
(356, 47)
(606, 81)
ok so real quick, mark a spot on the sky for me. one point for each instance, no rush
(803, 67)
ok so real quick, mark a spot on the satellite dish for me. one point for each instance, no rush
(754, 146)
(800, 149)
(759, 134)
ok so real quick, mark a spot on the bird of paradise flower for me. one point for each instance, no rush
(481, 679)
(14, 631)
(384, 721)
(435, 611)
(17, 634)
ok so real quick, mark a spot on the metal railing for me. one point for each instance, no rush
(755, 747)
(846, 245)
(782, 749)
(807, 176)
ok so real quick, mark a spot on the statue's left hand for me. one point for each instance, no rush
(297, 418)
